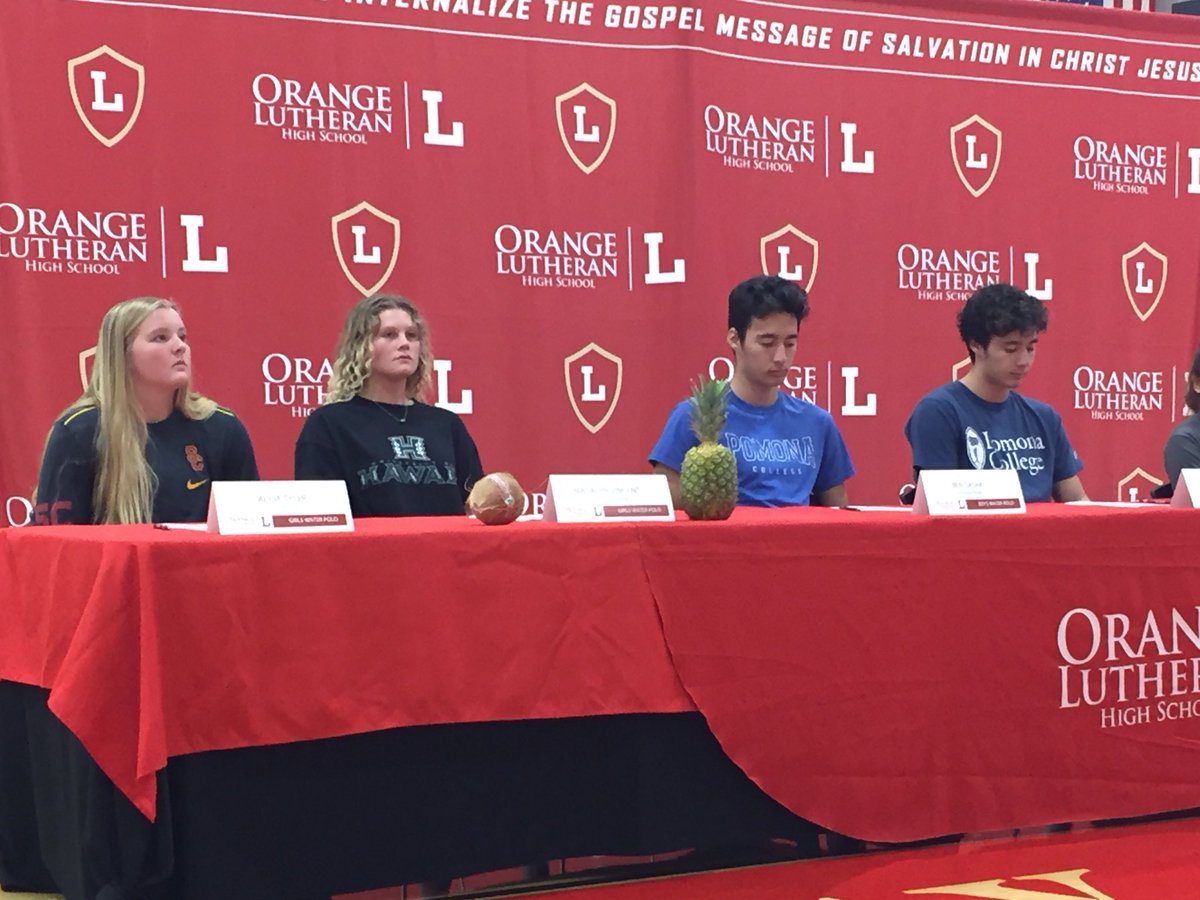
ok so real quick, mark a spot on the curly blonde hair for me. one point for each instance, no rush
(352, 362)
(125, 484)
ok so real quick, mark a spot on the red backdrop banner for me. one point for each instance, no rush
(568, 190)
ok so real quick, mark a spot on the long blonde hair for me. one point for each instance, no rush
(125, 483)
(352, 362)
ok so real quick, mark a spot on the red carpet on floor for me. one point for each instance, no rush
(1157, 861)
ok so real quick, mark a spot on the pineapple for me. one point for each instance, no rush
(708, 478)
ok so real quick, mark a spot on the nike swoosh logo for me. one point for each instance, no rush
(192, 485)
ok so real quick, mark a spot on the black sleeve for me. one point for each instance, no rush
(66, 481)
(314, 457)
(240, 464)
(1181, 452)
(467, 466)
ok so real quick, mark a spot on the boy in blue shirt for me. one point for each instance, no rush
(788, 451)
(981, 422)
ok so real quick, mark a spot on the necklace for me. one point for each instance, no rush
(391, 415)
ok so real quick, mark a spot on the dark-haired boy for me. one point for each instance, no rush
(1182, 450)
(788, 451)
(981, 422)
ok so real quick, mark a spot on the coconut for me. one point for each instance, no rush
(496, 499)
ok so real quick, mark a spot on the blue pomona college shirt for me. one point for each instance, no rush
(953, 428)
(784, 451)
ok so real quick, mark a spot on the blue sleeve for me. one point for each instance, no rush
(66, 481)
(835, 460)
(466, 458)
(676, 439)
(934, 436)
(1066, 461)
(240, 464)
(1182, 451)
(314, 457)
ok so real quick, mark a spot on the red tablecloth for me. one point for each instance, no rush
(157, 643)
(888, 676)
(896, 677)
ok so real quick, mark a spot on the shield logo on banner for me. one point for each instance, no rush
(587, 122)
(593, 379)
(107, 89)
(975, 146)
(1144, 271)
(790, 253)
(87, 359)
(367, 242)
(1137, 485)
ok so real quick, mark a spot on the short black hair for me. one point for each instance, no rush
(1192, 399)
(999, 309)
(763, 295)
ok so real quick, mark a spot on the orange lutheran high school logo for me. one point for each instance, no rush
(995, 889)
(975, 145)
(87, 359)
(1137, 485)
(1144, 271)
(593, 379)
(790, 253)
(107, 89)
(587, 123)
(367, 243)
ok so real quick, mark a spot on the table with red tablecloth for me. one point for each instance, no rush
(888, 676)
(158, 643)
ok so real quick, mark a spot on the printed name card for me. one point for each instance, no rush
(608, 498)
(968, 492)
(279, 507)
(1187, 489)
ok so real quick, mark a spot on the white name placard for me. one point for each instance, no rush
(279, 507)
(1187, 488)
(608, 498)
(969, 492)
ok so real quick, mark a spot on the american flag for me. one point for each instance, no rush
(1138, 5)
